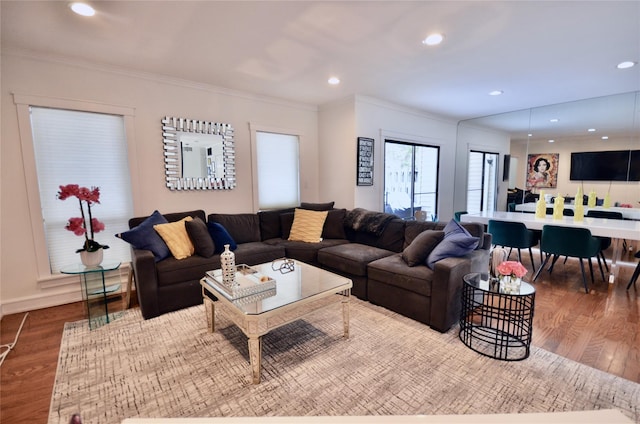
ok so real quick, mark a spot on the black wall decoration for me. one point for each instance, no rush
(364, 170)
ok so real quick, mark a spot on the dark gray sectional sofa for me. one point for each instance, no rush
(373, 257)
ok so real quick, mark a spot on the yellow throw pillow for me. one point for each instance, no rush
(176, 237)
(307, 225)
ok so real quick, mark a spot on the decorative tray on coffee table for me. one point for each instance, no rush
(249, 282)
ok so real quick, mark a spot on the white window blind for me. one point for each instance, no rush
(277, 170)
(88, 149)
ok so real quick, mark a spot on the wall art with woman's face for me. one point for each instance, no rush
(542, 170)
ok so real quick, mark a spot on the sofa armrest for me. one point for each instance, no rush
(446, 288)
(144, 271)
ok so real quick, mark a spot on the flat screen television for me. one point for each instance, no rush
(612, 165)
(634, 171)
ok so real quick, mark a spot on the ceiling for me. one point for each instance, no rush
(537, 52)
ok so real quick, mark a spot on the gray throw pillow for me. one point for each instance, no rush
(416, 253)
(457, 242)
(200, 237)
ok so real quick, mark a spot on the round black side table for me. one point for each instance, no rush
(495, 324)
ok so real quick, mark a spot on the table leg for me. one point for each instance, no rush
(255, 357)
(210, 313)
(345, 314)
(617, 254)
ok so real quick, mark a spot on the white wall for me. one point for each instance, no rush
(378, 119)
(337, 152)
(152, 97)
(341, 123)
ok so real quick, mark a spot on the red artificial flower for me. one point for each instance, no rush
(79, 225)
(96, 225)
(76, 225)
(514, 268)
(68, 191)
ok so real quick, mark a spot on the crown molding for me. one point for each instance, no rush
(153, 77)
(360, 98)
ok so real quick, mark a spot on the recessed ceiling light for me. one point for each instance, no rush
(591, 130)
(605, 137)
(554, 120)
(626, 64)
(495, 92)
(552, 141)
(83, 9)
(334, 80)
(433, 39)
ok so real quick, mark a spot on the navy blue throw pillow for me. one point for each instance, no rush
(144, 236)
(220, 237)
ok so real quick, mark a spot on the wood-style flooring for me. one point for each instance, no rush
(600, 329)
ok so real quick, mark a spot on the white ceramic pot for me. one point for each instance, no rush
(91, 259)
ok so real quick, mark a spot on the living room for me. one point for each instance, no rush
(328, 132)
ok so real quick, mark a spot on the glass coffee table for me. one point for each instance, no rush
(300, 289)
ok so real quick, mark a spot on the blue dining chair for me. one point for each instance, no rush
(575, 242)
(513, 235)
(605, 242)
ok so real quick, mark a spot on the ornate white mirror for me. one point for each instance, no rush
(198, 155)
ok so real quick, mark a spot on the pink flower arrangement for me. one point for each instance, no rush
(512, 268)
(78, 225)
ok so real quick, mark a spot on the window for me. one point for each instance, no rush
(411, 179)
(89, 149)
(482, 181)
(277, 170)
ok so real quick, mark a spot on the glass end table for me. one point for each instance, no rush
(98, 285)
(495, 324)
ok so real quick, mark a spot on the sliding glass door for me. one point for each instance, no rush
(482, 181)
(411, 179)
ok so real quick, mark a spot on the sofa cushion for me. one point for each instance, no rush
(334, 225)
(303, 251)
(200, 237)
(317, 206)
(393, 270)
(144, 236)
(416, 253)
(176, 237)
(242, 227)
(257, 252)
(307, 225)
(351, 258)
(457, 242)
(270, 227)
(220, 237)
(392, 237)
(413, 228)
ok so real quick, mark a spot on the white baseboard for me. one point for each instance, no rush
(41, 301)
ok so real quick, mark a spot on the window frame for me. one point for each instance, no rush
(484, 154)
(23, 102)
(413, 144)
(254, 129)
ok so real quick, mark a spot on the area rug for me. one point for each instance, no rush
(171, 366)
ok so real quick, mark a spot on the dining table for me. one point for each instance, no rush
(616, 229)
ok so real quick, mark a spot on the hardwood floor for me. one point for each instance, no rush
(600, 329)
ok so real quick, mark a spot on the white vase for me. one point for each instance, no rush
(91, 259)
(228, 266)
(510, 284)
